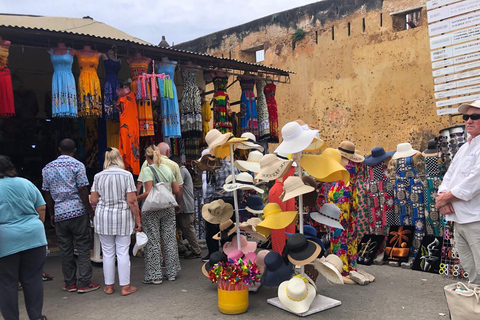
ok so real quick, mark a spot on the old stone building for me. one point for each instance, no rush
(363, 69)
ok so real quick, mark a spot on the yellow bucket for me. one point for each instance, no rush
(232, 302)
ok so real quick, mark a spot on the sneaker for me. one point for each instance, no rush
(182, 253)
(91, 287)
(71, 288)
(193, 255)
(206, 258)
(172, 278)
(46, 277)
(158, 281)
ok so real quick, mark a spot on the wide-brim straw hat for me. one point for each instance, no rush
(274, 218)
(276, 270)
(295, 138)
(431, 150)
(255, 204)
(328, 215)
(296, 294)
(245, 245)
(293, 187)
(217, 211)
(378, 155)
(226, 230)
(243, 181)
(250, 143)
(317, 143)
(301, 251)
(465, 106)
(215, 139)
(325, 167)
(330, 267)
(272, 168)
(348, 151)
(250, 227)
(252, 163)
(404, 150)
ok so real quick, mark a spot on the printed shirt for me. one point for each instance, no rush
(62, 178)
(113, 215)
(463, 180)
(188, 201)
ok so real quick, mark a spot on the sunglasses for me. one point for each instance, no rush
(473, 116)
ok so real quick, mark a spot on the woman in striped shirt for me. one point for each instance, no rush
(116, 217)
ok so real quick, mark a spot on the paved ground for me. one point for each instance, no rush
(396, 294)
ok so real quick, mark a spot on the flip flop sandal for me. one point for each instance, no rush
(126, 290)
(108, 289)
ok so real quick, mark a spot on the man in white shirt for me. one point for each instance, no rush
(459, 194)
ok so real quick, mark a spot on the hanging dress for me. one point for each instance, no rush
(270, 90)
(262, 111)
(344, 242)
(110, 97)
(206, 117)
(7, 106)
(129, 142)
(191, 107)
(363, 210)
(64, 92)
(89, 91)
(221, 118)
(142, 94)
(248, 107)
(169, 101)
(433, 180)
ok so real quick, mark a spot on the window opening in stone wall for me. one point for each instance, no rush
(333, 33)
(316, 37)
(363, 25)
(260, 55)
(349, 29)
(381, 19)
(407, 20)
(336, 10)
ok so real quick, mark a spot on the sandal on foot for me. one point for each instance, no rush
(126, 290)
(108, 289)
(367, 275)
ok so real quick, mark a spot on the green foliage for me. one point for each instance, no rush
(274, 17)
(298, 35)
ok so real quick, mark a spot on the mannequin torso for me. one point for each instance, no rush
(139, 58)
(61, 48)
(110, 55)
(5, 43)
(89, 52)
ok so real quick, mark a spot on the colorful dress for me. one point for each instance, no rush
(221, 118)
(169, 100)
(129, 143)
(89, 91)
(433, 180)
(344, 242)
(248, 107)
(110, 97)
(144, 99)
(64, 92)
(7, 107)
(262, 111)
(363, 217)
(269, 91)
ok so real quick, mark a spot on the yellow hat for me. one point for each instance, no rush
(274, 218)
(325, 167)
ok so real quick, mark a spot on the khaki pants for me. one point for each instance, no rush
(467, 239)
(185, 225)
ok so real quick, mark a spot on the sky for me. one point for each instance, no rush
(177, 20)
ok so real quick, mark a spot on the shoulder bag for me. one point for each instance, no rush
(159, 197)
(463, 300)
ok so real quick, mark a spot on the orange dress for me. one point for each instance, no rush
(145, 117)
(129, 142)
(89, 91)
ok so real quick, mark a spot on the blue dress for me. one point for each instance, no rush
(64, 91)
(110, 96)
(169, 101)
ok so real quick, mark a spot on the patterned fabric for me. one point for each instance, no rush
(144, 103)
(269, 91)
(218, 180)
(62, 178)
(191, 114)
(248, 107)
(344, 242)
(113, 215)
(64, 92)
(169, 101)
(433, 180)
(262, 111)
(380, 198)
(129, 144)
(7, 107)
(364, 217)
(112, 68)
(221, 105)
(199, 223)
(89, 91)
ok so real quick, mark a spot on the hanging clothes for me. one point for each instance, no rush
(168, 100)
(191, 114)
(144, 101)
(270, 90)
(89, 91)
(262, 111)
(433, 179)
(129, 142)
(64, 92)
(7, 106)
(248, 107)
(113, 137)
(110, 97)
(221, 105)
(343, 243)
(363, 216)
(206, 117)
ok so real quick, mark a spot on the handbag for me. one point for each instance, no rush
(463, 300)
(159, 197)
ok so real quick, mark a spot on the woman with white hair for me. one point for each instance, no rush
(116, 217)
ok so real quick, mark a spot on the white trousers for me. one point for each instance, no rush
(467, 239)
(118, 245)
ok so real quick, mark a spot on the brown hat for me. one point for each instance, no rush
(310, 199)
(347, 150)
(208, 163)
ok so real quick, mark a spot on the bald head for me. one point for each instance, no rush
(164, 149)
(67, 147)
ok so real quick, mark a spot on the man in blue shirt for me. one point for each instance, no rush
(65, 184)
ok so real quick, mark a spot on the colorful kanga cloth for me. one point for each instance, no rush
(221, 105)
(142, 93)
(248, 107)
(89, 91)
(364, 217)
(129, 143)
(7, 107)
(435, 223)
(110, 97)
(262, 111)
(344, 242)
(169, 101)
(64, 92)
(269, 91)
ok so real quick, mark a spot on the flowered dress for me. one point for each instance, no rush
(129, 143)
(363, 219)
(269, 91)
(262, 111)
(7, 107)
(344, 242)
(248, 107)
(142, 94)
(433, 180)
(110, 96)
(64, 93)
(89, 91)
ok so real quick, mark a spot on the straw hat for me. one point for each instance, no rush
(464, 106)
(251, 143)
(274, 218)
(378, 155)
(329, 215)
(272, 167)
(325, 167)
(317, 143)
(217, 211)
(250, 227)
(226, 230)
(347, 150)
(431, 150)
(245, 245)
(260, 261)
(300, 250)
(252, 163)
(243, 181)
(296, 294)
(295, 138)
(255, 204)
(404, 150)
(331, 268)
(215, 258)
(293, 187)
(275, 271)
(214, 139)
(208, 163)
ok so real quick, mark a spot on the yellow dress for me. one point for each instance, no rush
(144, 103)
(206, 117)
(89, 91)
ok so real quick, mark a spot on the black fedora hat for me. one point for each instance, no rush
(215, 258)
(431, 149)
(378, 155)
(301, 251)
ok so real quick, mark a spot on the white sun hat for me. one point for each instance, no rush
(251, 143)
(296, 294)
(243, 181)
(295, 138)
(404, 150)
(252, 163)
